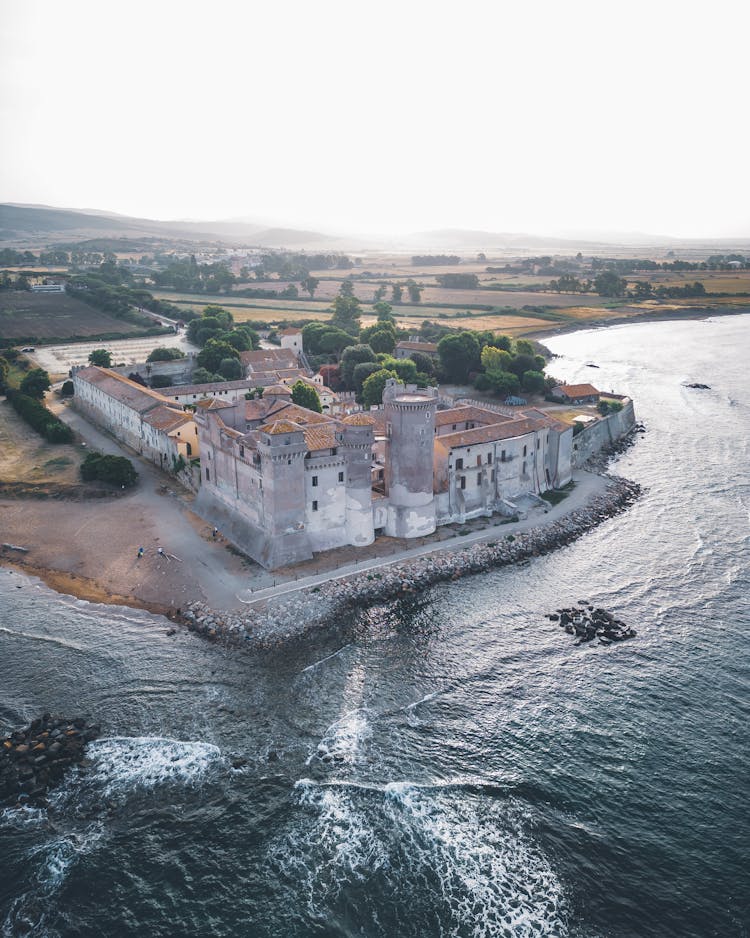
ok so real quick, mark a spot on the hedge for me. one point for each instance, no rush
(38, 417)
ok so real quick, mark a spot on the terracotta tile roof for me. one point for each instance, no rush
(469, 413)
(320, 437)
(280, 426)
(266, 359)
(577, 390)
(212, 403)
(501, 431)
(360, 420)
(277, 389)
(182, 389)
(303, 415)
(261, 410)
(291, 332)
(122, 389)
(166, 418)
(426, 347)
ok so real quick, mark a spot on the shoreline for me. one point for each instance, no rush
(319, 607)
(679, 315)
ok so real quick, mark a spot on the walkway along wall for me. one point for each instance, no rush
(606, 430)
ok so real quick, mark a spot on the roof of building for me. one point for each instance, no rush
(266, 359)
(320, 437)
(469, 413)
(213, 403)
(280, 426)
(291, 332)
(359, 420)
(183, 389)
(498, 431)
(277, 389)
(261, 409)
(577, 390)
(166, 418)
(426, 347)
(128, 392)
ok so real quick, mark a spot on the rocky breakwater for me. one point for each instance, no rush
(34, 759)
(335, 603)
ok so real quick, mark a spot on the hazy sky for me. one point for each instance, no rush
(367, 116)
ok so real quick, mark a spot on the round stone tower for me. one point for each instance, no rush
(410, 438)
(357, 441)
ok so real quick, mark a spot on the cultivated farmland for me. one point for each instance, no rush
(44, 317)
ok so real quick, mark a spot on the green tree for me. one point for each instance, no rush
(163, 354)
(351, 358)
(310, 284)
(382, 340)
(372, 389)
(114, 469)
(212, 354)
(230, 368)
(101, 357)
(35, 383)
(362, 372)
(4, 370)
(503, 342)
(161, 381)
(346, 288)
(495, 359)
(405, 368)
(423, 362)
(459, 354)
(384, 310)
(503, 383)
(415, 291)
(521, 363)
(379, 294)
(334, 341)
(609, 283)
(202, 376)
(397, 292)
(306, 396)
(221, 315)
(524, 347)
(533, 382)
(346, 313)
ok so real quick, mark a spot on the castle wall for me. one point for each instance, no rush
(593, 438)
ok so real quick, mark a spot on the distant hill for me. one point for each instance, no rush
(23, 223)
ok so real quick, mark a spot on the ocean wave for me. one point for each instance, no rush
(123, 763)
(472, 858)
(343, 738)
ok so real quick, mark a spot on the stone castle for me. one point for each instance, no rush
(283, 482)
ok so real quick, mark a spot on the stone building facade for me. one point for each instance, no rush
(143, 419)
(283, 482)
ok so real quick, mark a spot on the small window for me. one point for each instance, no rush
(314, 481)
(208, 474)
(463, 482)
(537, 443)
(459, 464)
(479, 478)
(489, 459)
(453, 427)
(479, 459)
(492, 476)
(315, 506)
(524, 452)
(524, 467)
(341, 477)
(189, 449)
(502, 456)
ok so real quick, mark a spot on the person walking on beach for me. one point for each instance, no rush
(140, 552)
(160, 551)
(214, 533)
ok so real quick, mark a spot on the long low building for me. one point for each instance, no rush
(143, 419)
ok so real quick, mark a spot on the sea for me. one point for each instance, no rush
(451, 766)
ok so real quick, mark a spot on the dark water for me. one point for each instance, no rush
(458, 769)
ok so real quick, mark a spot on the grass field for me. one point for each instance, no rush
(29, 460)
(42, 316)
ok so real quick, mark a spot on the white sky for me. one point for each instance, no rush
(382, 116)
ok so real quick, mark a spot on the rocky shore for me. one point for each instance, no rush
(35, 758)
(336, 601)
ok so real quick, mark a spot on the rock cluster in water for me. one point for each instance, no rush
(589, 622)
(697, 386)
(335, 601)
(34, 759)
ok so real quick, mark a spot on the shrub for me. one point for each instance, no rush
(68, 389)
(163, 354)
(114, 469)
